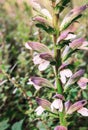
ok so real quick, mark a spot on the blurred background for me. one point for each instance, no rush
(17, 98)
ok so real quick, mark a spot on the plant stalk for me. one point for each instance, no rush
(57, 56)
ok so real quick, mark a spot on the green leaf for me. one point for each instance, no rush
(29, 93)
(41, 126)
(46, 28)
(85, 94)
(69, 54)
(60, 7)
(4, 125)
(18, 125)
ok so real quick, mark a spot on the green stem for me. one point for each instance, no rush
(63, 121)
(57, 56)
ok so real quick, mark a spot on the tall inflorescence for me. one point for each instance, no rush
(65, 45)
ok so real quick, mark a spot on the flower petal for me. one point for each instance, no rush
(37, 60)
(60, 128)
(57, 104)
(76, 106)
(70, 36)
(39, 110)
(43, 65)
(83, 111)
(63, 35)
(67, 105)
(82, 82)
(74, 78)
(65, 73)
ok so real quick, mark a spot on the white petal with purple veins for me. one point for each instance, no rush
(70, 36)
(37, 60)
(27, 46)
(43, 65)
(65, 73)
(57, 104)
(82, 82)
(83, 111)
(39, 110)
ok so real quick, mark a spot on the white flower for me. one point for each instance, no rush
(57, 104)
(83, 111)
(65, 73)
(39, 110)
(42, 64)
(82, 82)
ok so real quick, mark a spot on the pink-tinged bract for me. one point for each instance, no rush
(71, 16)
(43, 103)
(82, 82)
(76, 43)
(60, 128)
(47, 56)
(59, 96)
(40, 82)
(76, 106)
(37, 46)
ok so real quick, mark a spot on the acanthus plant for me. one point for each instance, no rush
(65, 44)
